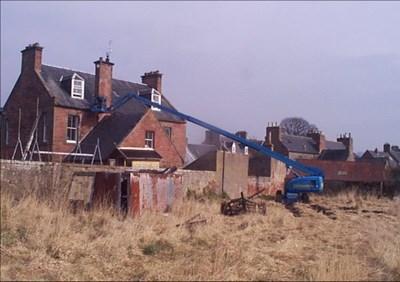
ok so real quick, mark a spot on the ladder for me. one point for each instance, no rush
(31, 136)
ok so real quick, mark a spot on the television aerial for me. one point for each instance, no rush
(108, 53)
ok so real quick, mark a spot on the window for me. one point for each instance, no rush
(155, 98)
(72, 129)
(44, 137)
(73, 84)
(77, 88)
(168, 131)
(7, 132)
(149, 139)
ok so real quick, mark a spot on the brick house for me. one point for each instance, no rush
(312, 146)
(58, 111)
(391, 154)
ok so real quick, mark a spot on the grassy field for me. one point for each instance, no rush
(344, 237)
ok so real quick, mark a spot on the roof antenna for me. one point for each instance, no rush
(108, 53)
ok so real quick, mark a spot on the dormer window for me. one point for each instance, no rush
(77, 87)
(152, 95)
(74, 85)
(155, 98)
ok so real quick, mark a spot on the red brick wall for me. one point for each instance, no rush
(87, 121)
(178, 136)
(172, 151)
(25, 94)
(103, 83)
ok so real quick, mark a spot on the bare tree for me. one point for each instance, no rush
(297, 126)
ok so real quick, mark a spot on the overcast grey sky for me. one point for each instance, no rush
(237, 65)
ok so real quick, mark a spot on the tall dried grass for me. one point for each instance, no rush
(363, 243)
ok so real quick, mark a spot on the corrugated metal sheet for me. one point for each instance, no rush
(155, 191)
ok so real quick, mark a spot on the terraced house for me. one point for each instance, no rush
(56, 113)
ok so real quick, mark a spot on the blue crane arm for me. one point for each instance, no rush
(309, 170)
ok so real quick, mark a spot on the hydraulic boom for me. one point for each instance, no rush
(295, 188)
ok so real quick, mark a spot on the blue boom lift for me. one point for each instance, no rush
(295, 189)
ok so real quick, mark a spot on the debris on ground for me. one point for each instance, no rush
(243, 205)
(191, 222)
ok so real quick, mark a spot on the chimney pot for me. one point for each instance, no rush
(32, 57)
(103, 80)
(153, 79)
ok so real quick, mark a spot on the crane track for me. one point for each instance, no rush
(296, 211)
(324, 210)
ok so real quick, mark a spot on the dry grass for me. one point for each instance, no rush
(363, 243)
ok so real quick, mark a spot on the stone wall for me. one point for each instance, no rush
(199, 182)
(46, 180)
(52, 181)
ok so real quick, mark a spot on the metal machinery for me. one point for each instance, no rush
(295, 188)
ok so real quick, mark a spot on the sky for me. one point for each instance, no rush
(235, 64)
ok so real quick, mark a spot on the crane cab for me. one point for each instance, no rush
(298, 188)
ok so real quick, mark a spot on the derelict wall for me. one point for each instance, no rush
(52, 181)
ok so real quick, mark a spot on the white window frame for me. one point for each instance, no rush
(72, 127)
(149, 139)
(77, 91)
(155, 98)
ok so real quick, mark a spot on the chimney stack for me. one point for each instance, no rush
(212, 138)
(386, 147)
(32, 58)
(347, 140)
(318, 138)
(242, 134)
(103, 80)
(153, 80)
(274, 133)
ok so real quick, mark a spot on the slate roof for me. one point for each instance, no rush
(198, 150)
(332, 145)
(52, 76)
(375, 154)
(378, 154)
(334, 155)
(112, 129)
(299, 144)
(195, 151)
(396, 155)
(206, 162)
(303, 144)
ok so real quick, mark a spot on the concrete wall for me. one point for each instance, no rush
(232, 171)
